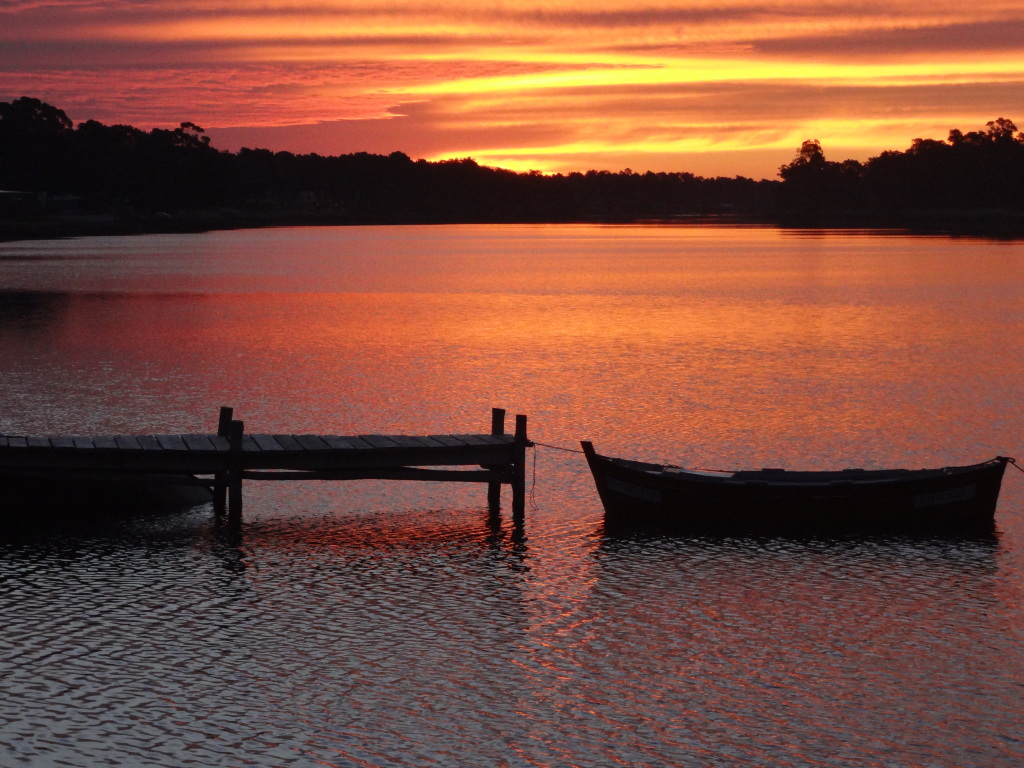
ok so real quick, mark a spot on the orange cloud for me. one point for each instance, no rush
(718, 88)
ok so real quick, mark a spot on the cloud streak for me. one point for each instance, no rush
(727, 87)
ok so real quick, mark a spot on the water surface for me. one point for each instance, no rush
(373, 623)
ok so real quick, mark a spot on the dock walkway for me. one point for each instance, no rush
(230, 456)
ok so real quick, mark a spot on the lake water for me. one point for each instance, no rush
(397, 624)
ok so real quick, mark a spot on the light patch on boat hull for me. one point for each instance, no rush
(634, 491)
(945, 497)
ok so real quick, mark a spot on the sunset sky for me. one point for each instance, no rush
(730, 87)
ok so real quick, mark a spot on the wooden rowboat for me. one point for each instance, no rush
(778, 500)
(70, 493)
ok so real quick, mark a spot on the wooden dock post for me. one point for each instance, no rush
(235, 435)
(220, 479)
(519, 471)
(494, 488)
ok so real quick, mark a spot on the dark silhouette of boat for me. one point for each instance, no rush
(59, 494)
(636, 493)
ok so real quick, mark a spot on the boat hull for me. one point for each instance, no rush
(775, 501)
(59, 494)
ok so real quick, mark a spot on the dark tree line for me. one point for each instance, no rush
(118, 167)
(124, 171)
(976, 171)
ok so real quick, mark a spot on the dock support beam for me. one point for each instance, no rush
(519, 471)
(235, 435)
(220, 479)
(494, 488)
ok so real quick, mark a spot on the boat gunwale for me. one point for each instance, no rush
(796, 478)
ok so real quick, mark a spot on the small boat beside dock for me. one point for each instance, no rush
(784, 501)
(70, 493)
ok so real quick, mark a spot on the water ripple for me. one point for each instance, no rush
(439, 640)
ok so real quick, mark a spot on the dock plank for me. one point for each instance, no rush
(426, 442)
(471, 439)
(16, 441)
(150, 443)
(127, 443)
(106, 442)
(406, 441)
(62, 442)
(34, 441)
(267, 442)
(312, 442)
(358, 442)
(498, 439)
(379, 441)
(171, 442)
(249, 444)
(82, 441)
(288, 442)
(222, 444)
(447, 440)
(198, 442)
(339, 443)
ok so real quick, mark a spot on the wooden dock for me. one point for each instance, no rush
(222, 460)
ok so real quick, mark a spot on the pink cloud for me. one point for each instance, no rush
(414, 76)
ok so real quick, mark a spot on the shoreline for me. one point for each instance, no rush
(1002, 225)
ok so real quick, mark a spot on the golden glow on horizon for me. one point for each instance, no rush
(530, 84)
(717, 70)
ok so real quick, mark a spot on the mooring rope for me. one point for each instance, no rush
(556, 447)
(1013, 461)
(533, 484)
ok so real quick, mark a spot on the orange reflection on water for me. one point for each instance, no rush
(711, 346)
(380, 610)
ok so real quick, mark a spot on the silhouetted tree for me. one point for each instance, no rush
(34, 145)
(813, 184)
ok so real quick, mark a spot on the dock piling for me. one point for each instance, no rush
(220, 479)
(235, 436)
(494, 488)
(519, 470)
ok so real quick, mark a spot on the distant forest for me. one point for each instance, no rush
(979, 172)
(120, 178)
